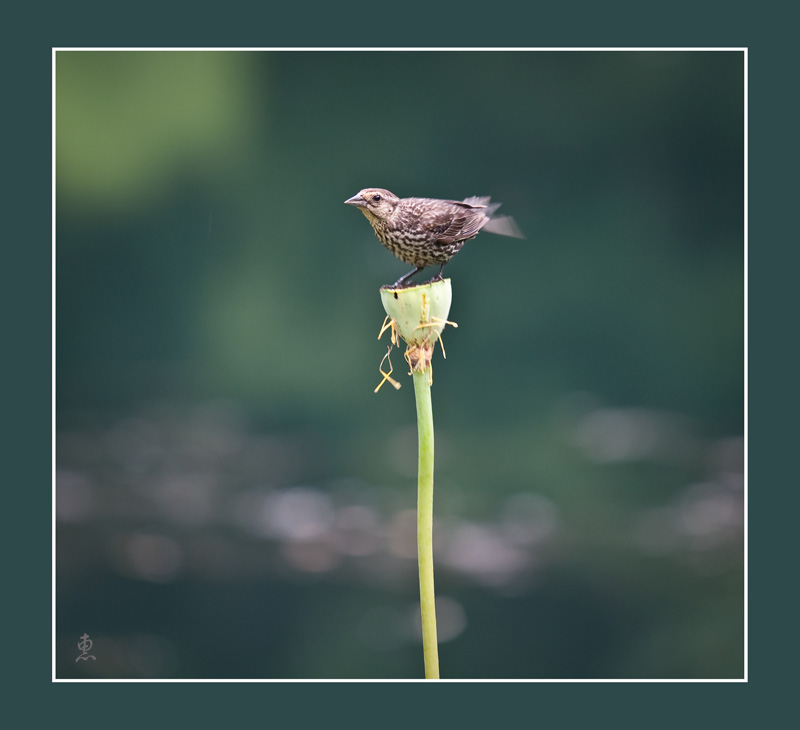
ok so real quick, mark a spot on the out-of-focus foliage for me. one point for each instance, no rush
(232, 498)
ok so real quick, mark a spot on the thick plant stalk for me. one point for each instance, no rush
(418, 315)
(427, 595)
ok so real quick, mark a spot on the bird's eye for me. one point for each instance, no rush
(376, 198)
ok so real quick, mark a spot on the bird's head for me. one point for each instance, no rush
(375, 203)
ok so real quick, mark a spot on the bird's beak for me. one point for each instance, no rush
(356, 200)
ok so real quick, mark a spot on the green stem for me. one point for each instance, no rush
(430, 650)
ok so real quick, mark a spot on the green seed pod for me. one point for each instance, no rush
(419, 312)
(419, 315)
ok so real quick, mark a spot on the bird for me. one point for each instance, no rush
(426, 232)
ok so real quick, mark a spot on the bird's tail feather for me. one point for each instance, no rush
(504, 225)
(478, 201)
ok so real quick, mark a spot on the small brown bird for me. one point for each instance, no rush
(426, 231)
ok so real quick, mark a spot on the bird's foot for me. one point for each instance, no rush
(399, 284)
(404, 281)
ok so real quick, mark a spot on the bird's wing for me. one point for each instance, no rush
(460, 228)
(479, 213)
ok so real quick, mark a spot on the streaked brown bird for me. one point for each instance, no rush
(426, 231)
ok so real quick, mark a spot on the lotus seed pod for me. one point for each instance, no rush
(419, 315)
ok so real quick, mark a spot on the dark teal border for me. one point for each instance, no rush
(26, 296)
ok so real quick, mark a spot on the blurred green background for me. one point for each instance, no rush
(234, 501)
